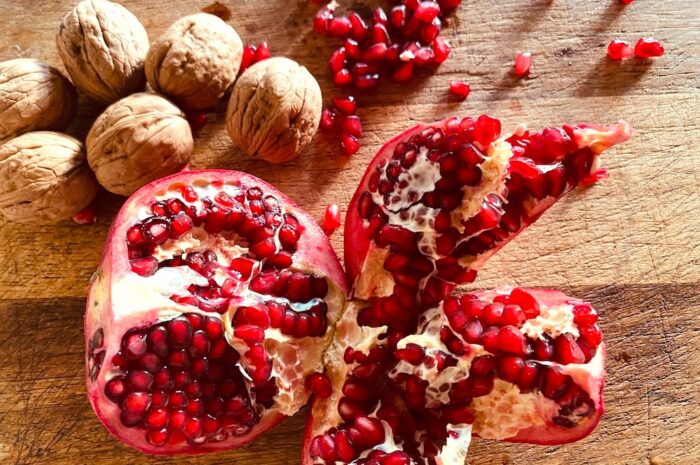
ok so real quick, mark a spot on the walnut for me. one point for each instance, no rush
(44, 178)
(103, 46)
(33, 96)
(195, 61)
(137, 140)
(274, 110)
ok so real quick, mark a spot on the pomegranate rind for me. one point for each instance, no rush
(108, 307)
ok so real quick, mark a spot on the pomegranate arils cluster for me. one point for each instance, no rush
(342, 116)
(390, 44)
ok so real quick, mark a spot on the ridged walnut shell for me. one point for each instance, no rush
(274, 110)
(103, 47)
(44, 178)
(195, 61)
(34, 96)
(137, 140)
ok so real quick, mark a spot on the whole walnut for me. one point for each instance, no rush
(137, 140)
(33, 96)
(103, 46)
(274, 110)
(44, 178)
(195, 61)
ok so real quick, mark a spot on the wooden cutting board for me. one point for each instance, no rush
(631, 245)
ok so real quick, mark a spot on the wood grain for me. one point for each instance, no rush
(631, 245)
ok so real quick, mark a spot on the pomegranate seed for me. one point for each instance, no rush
(367, 81)
(352, 49)
(353, 126)
(375, 53)
(403, 73)
(359, 27)
(620, 50)
(337, 61)
(426, 11)
(371, 431)
(412, 353)
(85, 216)
(248, 57)
(327, 119)
(441, 50)
(342, 78)
(339, 27)
(429, 32)
(379, 16)
(509, 368)
(493, 313)
(482, 365)
(349, 144)
(319, 385)
(523, 62)
(346, 105)
(460, 89)
(626, 2)
(525, 301)
(512, 341)
(513, 315)
(648, 47)
(145, 266)
(543, 349)
(321, 19)
(331, 218)
(398, 16)
(566, 350)
(196, 119)
(262, 52)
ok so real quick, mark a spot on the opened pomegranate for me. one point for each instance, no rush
(214, 300)
(414, 373)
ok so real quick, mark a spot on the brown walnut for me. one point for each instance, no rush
(274, 110)
(137, 140)
(44, 178)
(195, 61)
(34, 96)
(103, 47)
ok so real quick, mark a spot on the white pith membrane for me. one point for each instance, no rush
(140, 302)
(505, 411)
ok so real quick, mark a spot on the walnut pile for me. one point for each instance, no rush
(44, 178)
(103, 47)
(195, 61)
(274, 110)
(34, 96)
(137, 140)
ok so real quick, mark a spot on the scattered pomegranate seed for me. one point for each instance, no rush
(460, 89)
(619, 50)
(327, 118)
(346, 105)
(626, 2)
(349, 144)
(523, 62)
(648, 47)
(331, 219)
(197, 120)
(253, 54)
(86, 216)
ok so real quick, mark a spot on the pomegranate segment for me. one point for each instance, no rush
(414, 372)
(212, 304)
(521, 365)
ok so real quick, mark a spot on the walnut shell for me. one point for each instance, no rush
(274, 110)
(195, 61)
(44, 178)
(103, 46)
(137, 140)
(33, 96)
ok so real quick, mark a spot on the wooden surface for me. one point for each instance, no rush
(630, 245)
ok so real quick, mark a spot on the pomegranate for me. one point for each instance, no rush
(413, 372)
(214, 300)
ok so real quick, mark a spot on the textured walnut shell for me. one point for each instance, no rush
(195, 61)
(103, 47)
(34, 96)
(44, 178)
(274, 110)
(137, 140)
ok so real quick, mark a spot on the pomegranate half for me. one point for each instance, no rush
(413, 372)
(214, 299)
